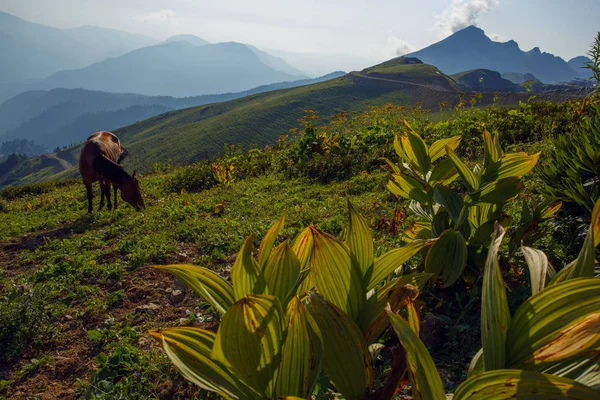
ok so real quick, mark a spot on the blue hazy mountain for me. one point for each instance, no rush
(470, 49)
(33, 51)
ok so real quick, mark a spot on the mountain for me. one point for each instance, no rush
(519, 77)
(578, 64)
(484, 79)
(317, 64)
(30, 51)
(470, 49)
(62, 116)
(173, 69)
(191, 39)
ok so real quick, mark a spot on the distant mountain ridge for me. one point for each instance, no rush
(470, 49)
(63, 116)
(29, 50)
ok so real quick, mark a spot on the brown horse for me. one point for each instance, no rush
(99, 161)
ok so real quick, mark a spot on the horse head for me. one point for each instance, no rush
(130, 193)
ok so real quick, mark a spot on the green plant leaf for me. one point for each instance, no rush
(584, 369)
(491, 152)
(508, 384)
(584, 265)
(559, 322)
(410, 188)
(303, 247)
(438, 148)
(395, 169)
(513, 165)
(595, 224)
(444, 172)
(390, 261)
(336, 274)
(399, 150)
(476, 365)
(346, 359)
(496, 192)
(425, 380)
(465, 173)
(267, 243)
(373, 319)
(416, 150)
(537, 262)
(189, 349)
(246, 274)
(250, 339)
(495, 315)
(300, 355)
(449, 199)
(359, 239)
(208, 284)
(447, 258)
(282, 271)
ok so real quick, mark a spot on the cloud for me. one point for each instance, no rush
(498, 37)
(164, 17)
(399, 47)
(463, 13)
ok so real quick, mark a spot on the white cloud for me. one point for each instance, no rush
(498, 37)
(164, 17)
(463, 13)
(399, 47)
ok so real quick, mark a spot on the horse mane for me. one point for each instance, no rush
(111, 170)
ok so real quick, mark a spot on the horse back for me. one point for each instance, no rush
(99, 144)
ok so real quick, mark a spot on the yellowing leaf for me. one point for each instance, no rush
(537, 262)
(281, 272)
(425, 380)
(444, 172)
(359, 239)
(246, 274)
(408, 187)
(495, 315)
(208, 284)
(267, 243)
(347, 360)
(336, 274)
(465, 173)
(513, 165)
(416, 150)
(438, 148)
(508, 384)
(250, 338)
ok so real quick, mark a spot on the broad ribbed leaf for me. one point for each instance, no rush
(595, 224)
(250, 339)
(491, 153)
(447, 258)
(189, 349)
(390, 261)
(412, 316)
(208, 284)
(373, 319)
(336, 274)
(584, 265)
(495, 315)
(476, 364)
(513, 165)
(300, 356)
(399, 150)
(563, 274)
(409, 188)
(465, 173)
(584, 369)
(416, 150)
(449, 199)
(425, 380)
(303, 247)
(444, 172)
(508, 384)
(438, 148)
(495, 193)
(246, 274)
(559, 322)
(537, 262)
(359, 239)
(281, 272)
(267, 243)
(346, 359)
(390, 164)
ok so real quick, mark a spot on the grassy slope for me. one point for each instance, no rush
(183, 136)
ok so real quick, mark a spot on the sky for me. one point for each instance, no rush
(374, 29)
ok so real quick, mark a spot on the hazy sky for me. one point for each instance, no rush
(377, 29)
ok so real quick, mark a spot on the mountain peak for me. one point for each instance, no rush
(191, 39)
(472, 31)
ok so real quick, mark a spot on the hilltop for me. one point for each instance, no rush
(470, 49)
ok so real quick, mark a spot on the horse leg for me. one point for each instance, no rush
(115, 191)
(102, 194)
(90, 195)
(107, 195)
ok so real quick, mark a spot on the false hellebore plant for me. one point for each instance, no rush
(462, 222)
(274, 338)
